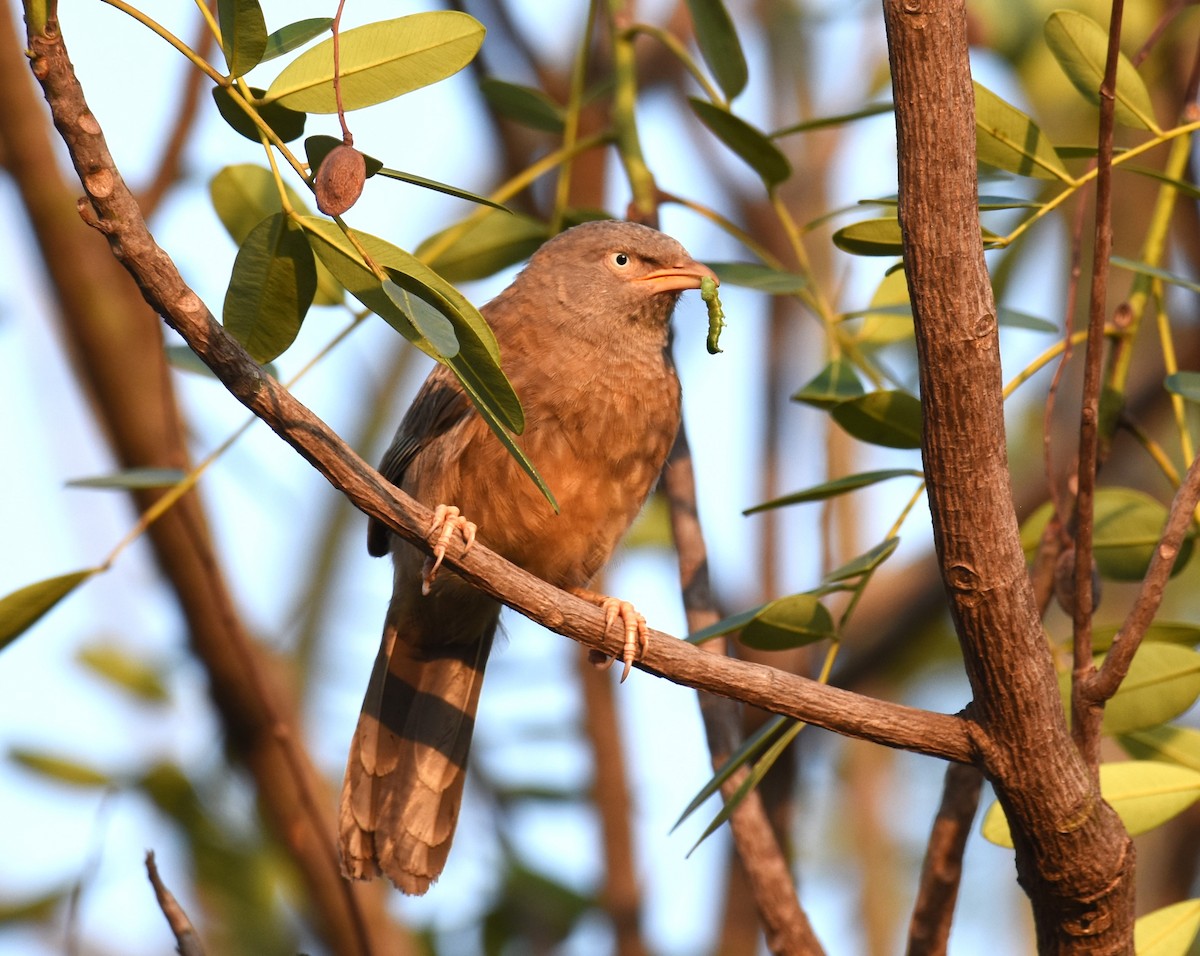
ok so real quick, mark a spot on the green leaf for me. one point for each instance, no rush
(1183, 187)
(243, 34)
(839, 486)
(789, 622)
(380, 61)
(120, 668)
(718, 42)
(1154, 272)
(316, 148)
(23, 608)
(766, 736)
(272, 286)
(871, 237)
(1080, 45)
(834, 384)
(890, 418)
(447, 190)
(133, 478)
(1145, 794)
(436, 329)
(43, 909)
(1008, 139)
(1163, 682)
(864, 563)
(1184, 384)
(889, 318)
(244, 195)
(1169, 931)
(523, 104)
(288, 124)
(1128, 525)
(755, 275)
(295, 35)
(60, 769)
(1178, 745)
(747, 142)
(485, 245)
(841, 119)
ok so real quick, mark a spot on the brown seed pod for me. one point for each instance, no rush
(340, 180)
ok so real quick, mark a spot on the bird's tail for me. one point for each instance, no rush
(408, 758)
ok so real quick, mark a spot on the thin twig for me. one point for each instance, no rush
(187, 941)
(1085, 720)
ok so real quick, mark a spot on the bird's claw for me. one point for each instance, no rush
(447, 521)
(637, 637)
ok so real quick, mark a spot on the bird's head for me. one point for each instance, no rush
(619, 269)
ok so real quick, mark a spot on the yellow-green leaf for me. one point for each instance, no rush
(888, 319)
(1169, 931)
(871, 237)
(1127, 528)
(243, 34)
(60, 769)
(295, 35)
(1145, 794)
(1008, 139)
(834, 384)
(484, 245)
(1163, 682)
(23, 608)
(1080, 45)
(1178, 745)
(379, 61)
(122, 669)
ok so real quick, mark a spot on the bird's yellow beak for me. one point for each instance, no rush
(685, 275)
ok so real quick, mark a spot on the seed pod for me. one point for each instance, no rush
(340, 180)
(1064, 581)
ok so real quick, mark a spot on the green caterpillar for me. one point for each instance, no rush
(716, 315)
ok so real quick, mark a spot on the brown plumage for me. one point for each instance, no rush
(583, 337)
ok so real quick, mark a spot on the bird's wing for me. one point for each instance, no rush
(439, 406)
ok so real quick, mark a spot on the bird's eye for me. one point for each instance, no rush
(621, 259)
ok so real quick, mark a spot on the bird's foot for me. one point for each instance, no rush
(637, 636)
(447, 522)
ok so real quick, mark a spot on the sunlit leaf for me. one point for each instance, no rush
(434, 327)
(243, 34)
(122, 669)
(1008, 139)
(288, 124)
(523, 104)
(1163, 682)
(1128, 524)
(294, 36)
(1184, 384)
(1168, 632)
(889, 318)
(717, 39)
(244, 195)
(489, 243)
(890, 418)
(753, 146)
(1169, 931)
(788, 622)
(1080, 45)
(23, 608)
(379, 61)
(1145, 794)
(834, 384)
(131, 478)
(63, 770)
(272, 286)
(832, 489)
(41, 909)
(755, 275)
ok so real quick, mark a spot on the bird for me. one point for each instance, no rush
(583, 333)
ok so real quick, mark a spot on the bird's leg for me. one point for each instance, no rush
(637, 638)
(447, 521)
